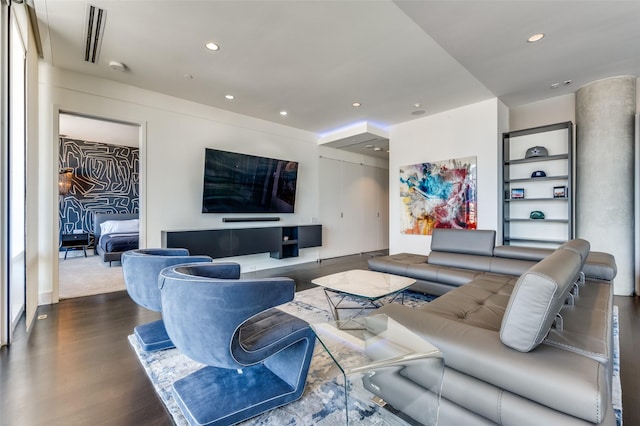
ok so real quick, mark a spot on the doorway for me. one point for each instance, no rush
(99, 168)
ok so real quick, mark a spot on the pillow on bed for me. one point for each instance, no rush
(119, 226)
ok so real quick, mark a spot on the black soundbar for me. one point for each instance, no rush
(250, 219)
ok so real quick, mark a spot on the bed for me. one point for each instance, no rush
(114, 234)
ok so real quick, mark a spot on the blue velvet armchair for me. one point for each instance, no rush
(141, 269)
(257, 357)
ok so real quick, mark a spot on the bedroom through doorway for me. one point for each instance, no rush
(99, 173)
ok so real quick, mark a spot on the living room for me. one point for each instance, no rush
(174, 133)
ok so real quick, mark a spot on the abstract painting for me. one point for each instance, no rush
(440, 194)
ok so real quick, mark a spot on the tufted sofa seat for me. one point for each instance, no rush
(529, 348)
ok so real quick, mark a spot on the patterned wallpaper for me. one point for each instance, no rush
(105, 180)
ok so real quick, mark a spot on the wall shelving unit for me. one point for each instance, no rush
(539, 192)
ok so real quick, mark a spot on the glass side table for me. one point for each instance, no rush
(386, 362)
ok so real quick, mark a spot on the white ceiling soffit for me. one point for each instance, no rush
(361, 138)
(311, 58)
(96, 130)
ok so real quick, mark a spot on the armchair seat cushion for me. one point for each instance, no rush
(233, 401)
(266, 334)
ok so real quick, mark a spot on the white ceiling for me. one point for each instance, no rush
(315, 58)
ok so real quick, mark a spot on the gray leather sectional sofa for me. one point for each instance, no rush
(526, 333)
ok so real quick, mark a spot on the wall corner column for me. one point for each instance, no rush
(604, 209)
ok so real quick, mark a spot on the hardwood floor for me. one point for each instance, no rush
(76, 366)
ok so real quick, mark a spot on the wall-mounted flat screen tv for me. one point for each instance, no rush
(240, 183)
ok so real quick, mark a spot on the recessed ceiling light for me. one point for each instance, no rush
(230, 97)
(535, 37)
(368, 146)
(554, 85)
(356, 104)
(418, 112)
(417, 105)
(377, 148)
(212, 46)
(118, 66)
(566, 82)
(188, 76)
(283, 113)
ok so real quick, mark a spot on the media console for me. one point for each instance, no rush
(279, 241)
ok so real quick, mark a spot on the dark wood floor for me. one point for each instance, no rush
(76, 366)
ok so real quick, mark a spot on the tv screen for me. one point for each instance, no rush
(240, 183)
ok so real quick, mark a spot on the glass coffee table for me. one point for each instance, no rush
(372, 288)
(379, 360)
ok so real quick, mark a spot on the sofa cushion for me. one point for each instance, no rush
(518, 267)
(396, 263)
(480, 303)
(579, 246)
(459, 260)
(523, 253)
(479, 242)
(537, 298)
(588, 325)
(601, 266)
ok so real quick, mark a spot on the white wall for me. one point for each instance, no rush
(473, 130)
(174, 135)
(550, 111)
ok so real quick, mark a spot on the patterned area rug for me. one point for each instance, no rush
(323, 400)
(616, 396)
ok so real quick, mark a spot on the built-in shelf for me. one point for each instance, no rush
(539, 192)
(534, 240)
(530, 179)
(508, 200)
(537, 220)
(537, 159)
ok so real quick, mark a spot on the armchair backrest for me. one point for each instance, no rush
(204, 306)
(141, 268)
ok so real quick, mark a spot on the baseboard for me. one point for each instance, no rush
(45, 298)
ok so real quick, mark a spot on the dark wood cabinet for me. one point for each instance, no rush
(279, 241)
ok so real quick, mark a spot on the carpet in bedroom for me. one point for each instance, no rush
(85, 276)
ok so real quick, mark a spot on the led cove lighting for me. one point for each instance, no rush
(535, 37)
(212, 46)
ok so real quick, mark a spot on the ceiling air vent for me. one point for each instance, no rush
(94, 28)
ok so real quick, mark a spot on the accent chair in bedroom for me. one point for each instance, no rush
(257, 357)
(141, 268)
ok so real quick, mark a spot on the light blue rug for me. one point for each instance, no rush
(616, 396)
(323, 400)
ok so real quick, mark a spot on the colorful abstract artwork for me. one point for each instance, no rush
(441, 194)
